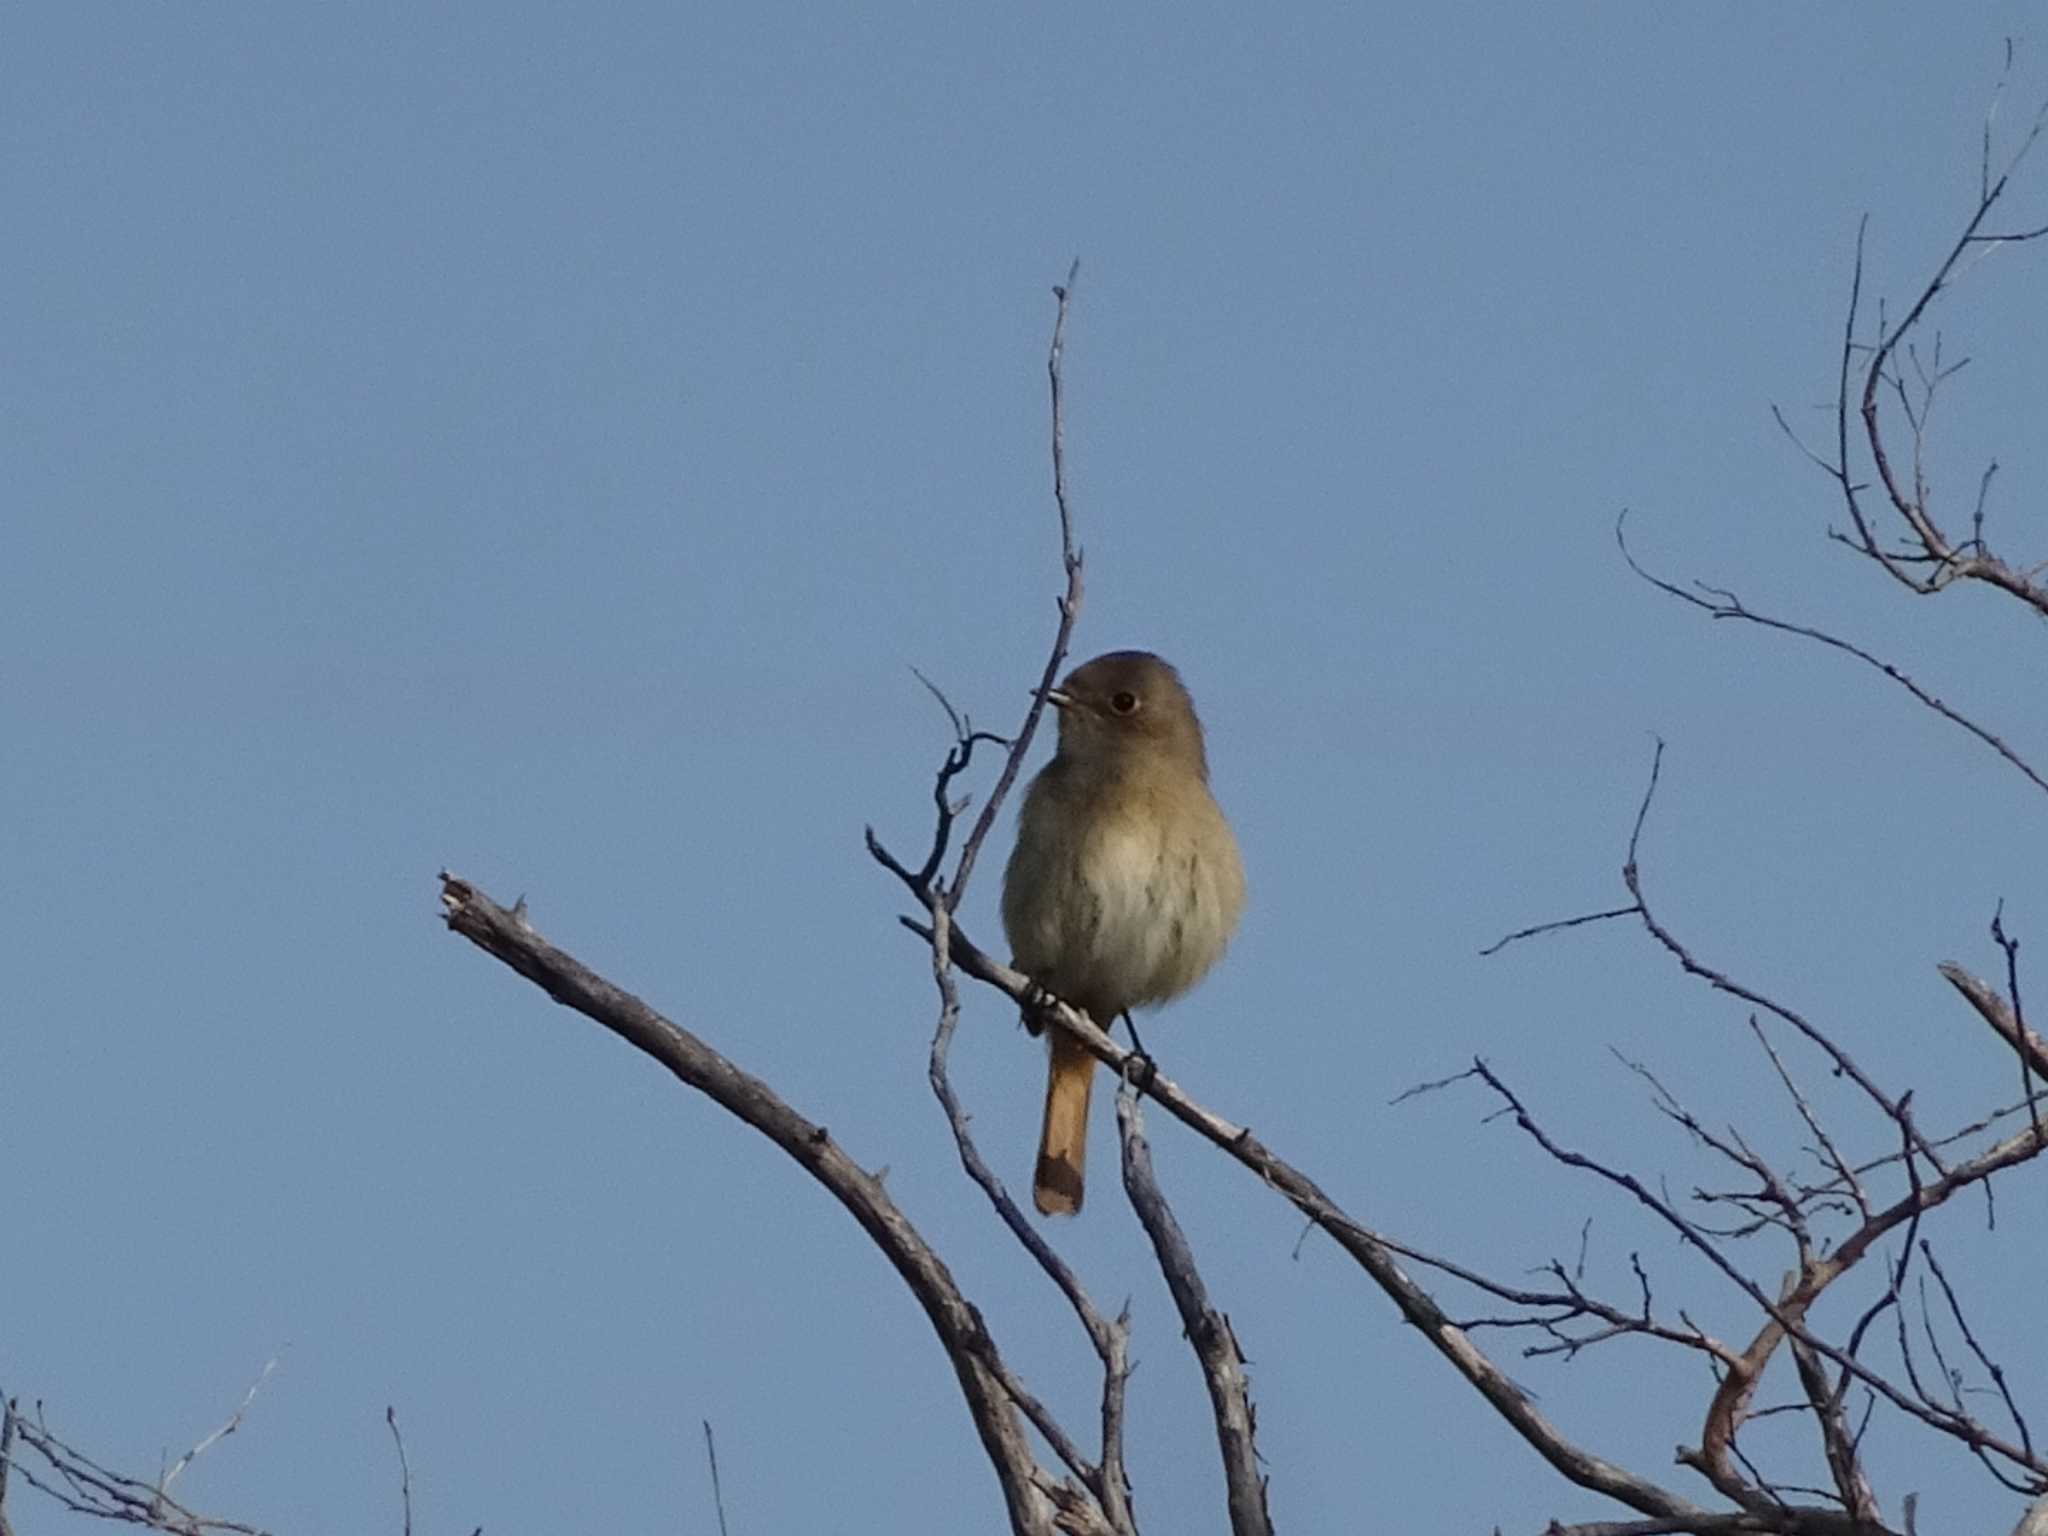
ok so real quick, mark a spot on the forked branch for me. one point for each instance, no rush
(1870, 373)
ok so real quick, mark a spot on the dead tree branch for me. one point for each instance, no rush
(1718, 603)
(1367, 1247)
(1107, 1478)
(1782, 1203)
(31, 1451)
(1929, 558)
(1038, 1502)
(1999, 1014)
(404, 1468)
(1208, 1331)
(233, 1423)
(1110, 1338)
(1070, 601)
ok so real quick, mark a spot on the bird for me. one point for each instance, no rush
(1125, 884)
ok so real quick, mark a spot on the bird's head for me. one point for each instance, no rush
(1126, 707)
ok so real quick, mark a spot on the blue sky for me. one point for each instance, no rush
(537, 441)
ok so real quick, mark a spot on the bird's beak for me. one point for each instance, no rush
(1059, 700)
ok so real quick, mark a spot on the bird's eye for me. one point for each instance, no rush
(1124, 703)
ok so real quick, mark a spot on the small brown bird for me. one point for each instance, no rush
(1125, 885)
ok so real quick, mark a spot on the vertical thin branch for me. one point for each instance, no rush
(1070, 601)
(1057, 380)
(404, 1467)
(2011, 948)
(6, 1459)
(1208, 1331)
(1107, 1481)
(717, 1493)
(1110, 1340)
(1991, 1367)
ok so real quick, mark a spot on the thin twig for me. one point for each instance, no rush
(1721, 604)
(2010, 947)
(1950, 564)
(1070, 600)
(1826, 1147)
(1505, 940)
(7, 1406)
(1786, 1314)
(965, 739)
(1991, 1367)
(84, 1486)
(1631, 876)
(234, 1423)
(717, 1491)
(404, 1467)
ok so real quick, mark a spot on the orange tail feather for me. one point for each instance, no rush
(1063, 1144)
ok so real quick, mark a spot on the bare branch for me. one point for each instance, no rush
(1375, 1255)
(1721, 604)
(1208, 1331)
(1108, 1481)
(1838, 1442)
(1950, 563)
(965, 738)
(1562, 923)
(1365, 1246)
(1711, 1525)
(1842, 1170)
(1631, 876)
(1991, 1367)
(234, 1423)
(923, 882)
(717, 1492)
(1110, 1339)
(1786, 1313)
(404, 1466)
(78, 1483)
(1558, 1308)
(1070, 602)
(1035, 1499)
(6, 1458)
(1996, 1012)
(2029, 1060)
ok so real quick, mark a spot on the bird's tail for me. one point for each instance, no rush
(1063, 1144)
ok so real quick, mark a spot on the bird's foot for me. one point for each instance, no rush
(1139, 1069)
(1037, 1003)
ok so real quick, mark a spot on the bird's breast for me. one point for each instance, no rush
(1126, 904)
